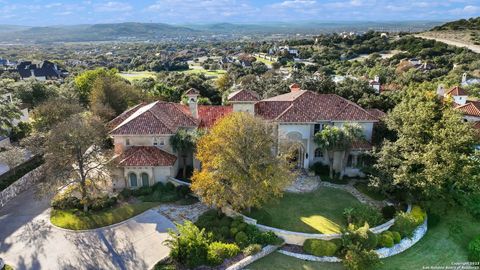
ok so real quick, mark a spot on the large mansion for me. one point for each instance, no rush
(141, 134)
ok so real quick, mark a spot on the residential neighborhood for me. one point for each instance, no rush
(259, 144)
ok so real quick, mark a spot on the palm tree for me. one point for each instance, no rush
(183, 142)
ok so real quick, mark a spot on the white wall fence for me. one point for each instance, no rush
(297, 238)
(20, 185)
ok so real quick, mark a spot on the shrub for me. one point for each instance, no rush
(241, 239)
(252, 249)
(396, 237)
(125, 193)
(388, 212)
(218, 251)
(405, 224)
(371, 242)
(169, 186)
(268, 238)
(22, 130)
(190, 246)
(142, 191)
(159, 186)
(319, 247)
(233, 231)
(474, 250)
(433, 220)
(362, 214)
(418, 214)
(385, 240)
(65, 203)
(182, 191)
(101, 203)
(357, 258)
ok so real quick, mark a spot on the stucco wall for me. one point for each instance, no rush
(120, 141)
(367, 128)
(244, 107)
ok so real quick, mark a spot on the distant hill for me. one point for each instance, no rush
(95, 32)
(131, 31)
(463, 24)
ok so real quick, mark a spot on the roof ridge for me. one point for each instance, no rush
(136, 114)
(285, 111)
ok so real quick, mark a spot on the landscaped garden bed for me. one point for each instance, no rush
(215, 241)
(320, 211)
(68, 211)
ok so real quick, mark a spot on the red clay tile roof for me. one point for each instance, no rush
(243, 95)
(377, 113)
(123, 116)
(471, 108)
(156, 118)
(145, 156)
(306, 106)
(210, 114)
(456, 91)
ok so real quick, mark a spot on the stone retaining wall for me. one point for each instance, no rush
(297, 238)
(177, 182)
(20, 185)
(404, 244)
(250, 259)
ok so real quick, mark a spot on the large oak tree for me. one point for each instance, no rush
(239, 167)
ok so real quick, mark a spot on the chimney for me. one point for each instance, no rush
(441, 90)
(294, 87)
(192, 95)
(377, 78)
(464, 78)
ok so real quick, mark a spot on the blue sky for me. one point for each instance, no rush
(55, 12)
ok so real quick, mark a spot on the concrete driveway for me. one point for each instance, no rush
(29, 241)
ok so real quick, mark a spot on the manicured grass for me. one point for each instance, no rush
(77, 220)
(320, 211)
(365, 189)
(213, 73)
(278, 261)
(442, 246)
(137, 75)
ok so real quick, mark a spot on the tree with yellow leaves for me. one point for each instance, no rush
(239, 167)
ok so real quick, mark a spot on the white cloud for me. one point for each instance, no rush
(295, 4)
(113, 6)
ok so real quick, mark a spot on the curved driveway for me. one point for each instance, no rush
(29, 241)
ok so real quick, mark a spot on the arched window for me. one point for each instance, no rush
(319, 153)
(133, 180)
(145, 182)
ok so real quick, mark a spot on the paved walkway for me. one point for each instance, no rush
(29, 241)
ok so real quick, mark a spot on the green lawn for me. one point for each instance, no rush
(214, 73)
(365, 189)
(443, 245)
(320, 211)
(69, 220)
(278, 261)
(265, 61)
(137, 75)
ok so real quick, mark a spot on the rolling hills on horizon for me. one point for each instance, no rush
(159, 31)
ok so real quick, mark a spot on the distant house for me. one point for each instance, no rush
(246, 63)
(46, 70)
(286, 48)
(468, 82)
(415, 61)
(375, 84)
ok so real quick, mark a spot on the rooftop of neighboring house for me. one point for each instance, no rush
(44, 69)
(298, 106)
(471, 108)
(456, 91)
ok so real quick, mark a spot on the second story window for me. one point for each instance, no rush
(158, 141)
(127, 142)
(317, 128)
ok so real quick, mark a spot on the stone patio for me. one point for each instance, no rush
(303, 184)
(180, 213)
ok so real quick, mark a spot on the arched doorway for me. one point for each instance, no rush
(133, 180)
(296, 155)
(145, 182)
